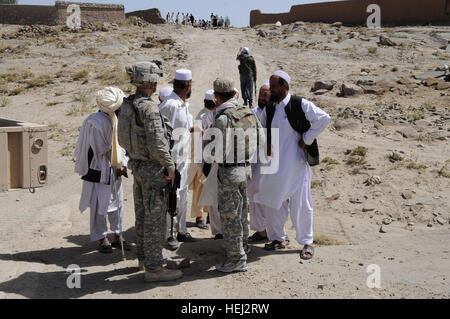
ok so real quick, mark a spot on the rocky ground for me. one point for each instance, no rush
(381, 194)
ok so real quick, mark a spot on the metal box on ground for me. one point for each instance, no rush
(23, 155)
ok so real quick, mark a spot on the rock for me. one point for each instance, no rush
(365, 210)
(334, 197)
(428, 75)
(341, 125)
(323, 85)
(387, 221)
(410, 224)
(408, 132)
(262, 33)
(321, 92)
(430, 82)
(383, 230)
(373, 180)
(278, 24)
(351, 90)
(407, 195)
(337, 24)
(395, 157)
(320, 287)
(429, 225)
(355, 200)
(440, 221)
(443, 85)
(386, 41)
(408, 83)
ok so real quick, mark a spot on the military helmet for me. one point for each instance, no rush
(144, 73)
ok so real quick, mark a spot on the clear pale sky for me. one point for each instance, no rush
(237, 10)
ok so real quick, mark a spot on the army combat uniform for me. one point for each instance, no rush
(232, 187)
(149, 156)
(146, 135)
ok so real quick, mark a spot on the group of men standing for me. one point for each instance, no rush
(138, 133)
(185, 18)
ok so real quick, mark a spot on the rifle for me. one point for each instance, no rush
(172, 200)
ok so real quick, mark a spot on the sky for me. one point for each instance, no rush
(237, 10)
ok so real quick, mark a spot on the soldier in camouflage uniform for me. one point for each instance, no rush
(232, 179)
(145, 134)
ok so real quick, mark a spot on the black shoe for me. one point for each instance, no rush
(185, 238)
(207, 220)
(173, 243)
(218, 236)
(245, 102)
(250, 103)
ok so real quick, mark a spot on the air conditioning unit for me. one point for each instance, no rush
(23, 155)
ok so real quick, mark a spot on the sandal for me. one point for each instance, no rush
(308, 250)
(116, 244)
(276, 245)
(201, 224)
(256, 237)
(105, 247)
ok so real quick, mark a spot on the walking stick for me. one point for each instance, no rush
(120, 221)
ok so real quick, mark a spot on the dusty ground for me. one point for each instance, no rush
(50, 79)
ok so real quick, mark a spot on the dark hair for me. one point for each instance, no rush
(179, 84)
(225, 96)
(209, 104)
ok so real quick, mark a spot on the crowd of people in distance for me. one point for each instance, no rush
(215, 20)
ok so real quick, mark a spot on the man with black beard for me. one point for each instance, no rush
(257, 220)
(176, 108)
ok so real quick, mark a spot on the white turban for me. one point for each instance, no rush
(110, 99)
(267, 83)
(283, 75)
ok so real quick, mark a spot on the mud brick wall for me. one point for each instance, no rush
(57, 15)
(152, 16)
(354, 12)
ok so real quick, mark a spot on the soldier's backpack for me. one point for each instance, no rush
(126, 118)
(130, 129)
(242, 117)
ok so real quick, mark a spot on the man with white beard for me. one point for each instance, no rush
(176, 109)
(288, 190)
(100, 161)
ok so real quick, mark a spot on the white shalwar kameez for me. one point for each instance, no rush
(106, 197)
(257, 220)
(214, 217)
(289, 189)
(177, 111)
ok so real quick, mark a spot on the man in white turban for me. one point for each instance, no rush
(100, 161)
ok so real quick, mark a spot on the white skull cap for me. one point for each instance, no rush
(283, 75)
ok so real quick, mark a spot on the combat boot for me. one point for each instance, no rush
(162, 274)
(232, 266)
